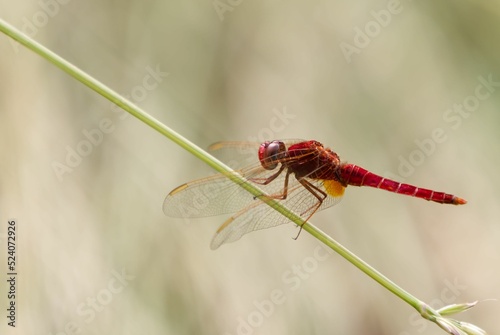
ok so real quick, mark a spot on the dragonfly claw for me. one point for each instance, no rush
(300, 230)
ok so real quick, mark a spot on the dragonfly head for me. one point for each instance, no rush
(271, 153)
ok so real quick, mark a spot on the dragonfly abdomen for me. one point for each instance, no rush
(357, 176)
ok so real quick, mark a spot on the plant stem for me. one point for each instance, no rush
(130, 107)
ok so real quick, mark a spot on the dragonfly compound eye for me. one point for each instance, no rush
(270, 154)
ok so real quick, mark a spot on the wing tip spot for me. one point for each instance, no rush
(178, 189)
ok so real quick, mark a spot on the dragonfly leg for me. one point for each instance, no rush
(284, 194)
(265, 181)
(318, 193)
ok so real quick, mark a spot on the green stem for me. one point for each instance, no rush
(365, 267)
(208, 159)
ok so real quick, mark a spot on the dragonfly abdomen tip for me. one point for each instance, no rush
(459, 201)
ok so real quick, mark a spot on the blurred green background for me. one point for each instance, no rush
(400, 88)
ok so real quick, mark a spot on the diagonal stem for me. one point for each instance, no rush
(130, 107)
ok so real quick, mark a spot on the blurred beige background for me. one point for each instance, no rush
(400, 88)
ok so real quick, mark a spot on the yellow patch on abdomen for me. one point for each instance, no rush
(334, 188)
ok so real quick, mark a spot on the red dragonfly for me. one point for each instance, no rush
(318, 182)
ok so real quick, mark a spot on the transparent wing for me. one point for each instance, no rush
(217, 194)
(210, 196)
(258, 215)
